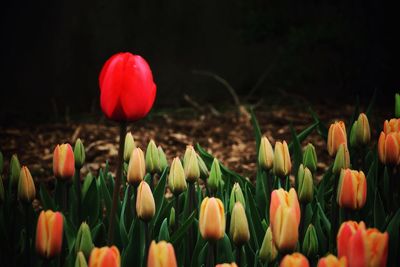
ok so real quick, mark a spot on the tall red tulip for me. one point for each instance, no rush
(127, 89)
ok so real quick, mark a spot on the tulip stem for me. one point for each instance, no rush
(238, 255)
(334, 213)
(117, 185)
(64, 196)
(147, 239)
(78, 193)
(211, 254)
(192, 199)
(177, 207)
(27, 235)
(302, 213)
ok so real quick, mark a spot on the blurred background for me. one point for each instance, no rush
(317, 51)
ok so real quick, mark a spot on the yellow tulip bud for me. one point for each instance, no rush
(176, 178)
(136, 167)
(26, 186)
(145, 206)
(282, 163)
(265, 154)
(212, 219)
(192, 170)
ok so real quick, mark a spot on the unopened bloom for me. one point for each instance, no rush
(49, 234)
(282, 164)
(236, 195)
(26, 186)
(136, 167)
(342, 159)
(336, 137)
(161, 254)
(145, 206)
(265, 154)
(362, 246)
(294, 260)
(84, 241)
(163, 158)
(63, 162)
(212, 219)
(79, 153)
(204, 173)
(152, 158)
(233, 264)
(268, 251)
(239, 228)
(80, 260)
(310, 242)
(352, 189)
(285, 219)
(391, 126)
(105, 257)
(360, 133)
(389, 148)
(192, 170)
(176, 178)
(15, 169)
(129, 146)
(310, 158)
(332, 261)
(215, 179)
(306, 184)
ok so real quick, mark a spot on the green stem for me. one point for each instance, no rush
(177, 207)
(210, 255)
(147, 240)
(238, 256)
(64, 196)
(117, 185)
(334, 214)
(192, 192)
(302, 212)
(28, 234)
(78, 193)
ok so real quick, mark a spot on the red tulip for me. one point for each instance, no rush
(49, 234)
(127, 90)
(352, 190)
(389, 148)
(105, 257)
(63, 162)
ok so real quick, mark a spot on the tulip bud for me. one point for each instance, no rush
(49, 234)
(145, 206)
(136, 167)
(391, 126)
(233, 264)
(176, 178)
(282, 163)
(1, 190)
(15, 169)
(389, 148)
(285, 219)
(268, 251)
(265, 154)
(204, 173)
(80, 260)
(360, 133)
(352, 189)
(332, 261)
(129, 146)
(310, 242)
(239, 228)
(236, 195)
(294, 260)
(192, 170)
(215, 179)
(84, 241)
(310, 158)
(63, 162)
(171, 221)
(306, 185)
(212, 219)
(152, 158)
(362, 246)
(336, 137)
(79, 154)
(397, 106)
(342, 159)
(26, 186)
(163, 159)
(161, 254)
(105, 256)
(1, 163)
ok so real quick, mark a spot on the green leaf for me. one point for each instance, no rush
(122, 226)
(132, 253)
(105, 195)
(255, 226)
(261, 192)
(225, 250)
(91, 204)
(297, 153)
(321, 128)
(164, 233)
(87, 182)
(196, 259)
(46, 200)
(178, 235)
(159, 192)
(303, 134)
(379, 212)
(70, 233)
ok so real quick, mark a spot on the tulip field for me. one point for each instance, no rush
(153, 209)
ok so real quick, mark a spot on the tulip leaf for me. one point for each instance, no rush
(196, 259)
(132, 252)
(70, 233)
(87, 182)
(164, 233)
(297, 153)
(393, 230)
(255, 226)
(224, 250)
(261, 192)
(91, 204)
(386, 187)
(178, 235)
(322, 238)
(202, 255)
(303, 134)
(46, 200)
(159, 192)
(165, 210)
(122, 226)
(106, 197)
(321, 128)
(325, 222)
(250, 254)
(379, 212)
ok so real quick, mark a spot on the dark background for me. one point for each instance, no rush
(325, 51)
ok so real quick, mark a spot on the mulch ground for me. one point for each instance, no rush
(227, 136)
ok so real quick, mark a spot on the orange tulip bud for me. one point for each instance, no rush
(391, 126)
(49, 234)
(212, 219)
(145, 206)
(26, 186)
(105, 257)
(294, 260)
(352, 190)
(63, 162)
(389, 148)
(136, 167)
(282, 164)
(226, 265)
(285, 219)
(362, 246)
(332, 261)
(336, 137)
(161, 254)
